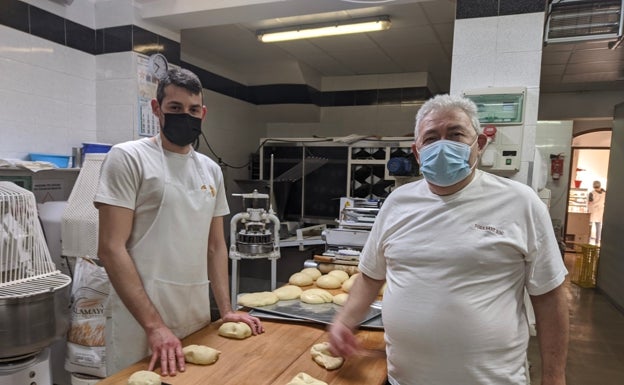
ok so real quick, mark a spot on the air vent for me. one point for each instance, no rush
(582, 20)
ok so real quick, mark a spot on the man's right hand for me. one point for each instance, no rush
(166, 346)
(342, 341)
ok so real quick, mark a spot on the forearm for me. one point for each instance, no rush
(552, 322)
(362, 294)
(128, 285)
(115, 225)
(219, 282)
(218, 266)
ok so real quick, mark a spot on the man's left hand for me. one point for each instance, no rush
(253, 322)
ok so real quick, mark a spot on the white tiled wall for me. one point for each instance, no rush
(497, 51)
(504, 51)
(47, 96)
(117, 97)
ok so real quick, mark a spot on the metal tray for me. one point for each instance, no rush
(322, 313)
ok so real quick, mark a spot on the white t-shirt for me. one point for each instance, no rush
(456, 267)
(132, 176)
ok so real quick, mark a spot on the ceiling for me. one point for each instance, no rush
(420, 40)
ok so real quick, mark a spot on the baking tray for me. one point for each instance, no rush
(322, 313)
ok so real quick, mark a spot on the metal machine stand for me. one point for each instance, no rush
(251, 237)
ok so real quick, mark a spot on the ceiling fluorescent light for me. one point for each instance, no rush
(309, 31)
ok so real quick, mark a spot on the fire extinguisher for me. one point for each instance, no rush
(556, 166)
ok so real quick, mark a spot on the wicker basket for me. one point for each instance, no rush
(586, 266)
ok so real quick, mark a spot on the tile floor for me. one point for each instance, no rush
(596, 348)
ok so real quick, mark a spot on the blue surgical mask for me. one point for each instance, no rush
(445, 162)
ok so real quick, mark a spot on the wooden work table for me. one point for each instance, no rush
(272, 358)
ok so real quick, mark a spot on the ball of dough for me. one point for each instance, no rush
(262, 298)
(237, 330)
(312, 272)
(144, 377)
(346, 285)
(341, 275)
(322, 356)
(316, 296)
(328, 282)
(287, 292)
(300, 279)
(340, 299)
(200, 354)
(305, 379)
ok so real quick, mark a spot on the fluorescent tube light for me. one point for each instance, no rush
(318, 30)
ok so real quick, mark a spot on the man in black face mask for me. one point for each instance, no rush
(161, 240)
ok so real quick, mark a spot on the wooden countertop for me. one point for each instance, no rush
(272, 358)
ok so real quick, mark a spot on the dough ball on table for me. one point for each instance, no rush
(328, 282)
(316, 296)
(305, 379)
(236, 330)
(262, 298)
(322, 356)
(341, 275)
(340, 299)
(300, 279)
(144, 377)
(312, 272)
(287, 292)
(200, 354)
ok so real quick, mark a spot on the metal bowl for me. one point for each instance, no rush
(254, 248)
(31, 322)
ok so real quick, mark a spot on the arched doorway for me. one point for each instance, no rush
(589, 163)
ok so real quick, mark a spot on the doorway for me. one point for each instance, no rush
(589, 163)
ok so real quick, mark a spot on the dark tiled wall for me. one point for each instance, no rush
(30, 19)
(36, 21)
(468, 9)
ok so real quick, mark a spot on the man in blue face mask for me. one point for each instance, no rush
(447, 146)
(161, 206)
(457, 251)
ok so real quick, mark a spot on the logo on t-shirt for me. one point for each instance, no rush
(491, 229)
(213, 192)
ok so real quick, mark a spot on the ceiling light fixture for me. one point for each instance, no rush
(309, 31)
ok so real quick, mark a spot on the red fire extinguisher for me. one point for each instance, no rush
(556, 166)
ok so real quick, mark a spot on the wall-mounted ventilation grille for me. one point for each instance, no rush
(581, 20)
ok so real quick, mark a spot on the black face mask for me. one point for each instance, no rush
(181, 129)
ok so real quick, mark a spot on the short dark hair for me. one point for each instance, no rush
(180, 78)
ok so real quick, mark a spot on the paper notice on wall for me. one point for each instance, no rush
(47, 190)
(147, 86)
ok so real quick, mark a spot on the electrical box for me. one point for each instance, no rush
(501, 115)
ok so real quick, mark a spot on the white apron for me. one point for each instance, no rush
(172, 261)
(596, 208)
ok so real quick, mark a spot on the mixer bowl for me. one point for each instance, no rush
(29, 323)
